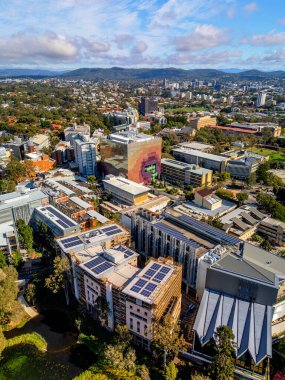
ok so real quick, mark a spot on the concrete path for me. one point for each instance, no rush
(31, 311)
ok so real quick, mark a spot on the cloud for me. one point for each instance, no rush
(282, 21)
(203, 37)
(49, 47)
(250, 8)
(275, 57)
(204, 59)
(123, 40)
(139, 47)
(231, 12)
(270, 39)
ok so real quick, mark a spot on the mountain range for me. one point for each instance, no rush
(119, 73)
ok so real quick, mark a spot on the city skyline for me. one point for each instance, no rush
(68, 34)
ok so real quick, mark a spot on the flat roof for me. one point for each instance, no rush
(149, 282)
(57, 217)
(126, 185)
(198, 153)
(91, 238)
(196, 145)
(128, 137)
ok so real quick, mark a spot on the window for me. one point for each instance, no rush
(145, 313)
(138, 310)
(131, 307)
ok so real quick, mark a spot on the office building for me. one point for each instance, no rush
(240, 290)
(37, 143)
(196, 146)
(63, 153)
(206, 160)
(147, 106)
(16, 146)
(242, 222)
(185, 174)
(242, 168)
(261, 99)
(134, 156)
(125, 191)
(58, 223)
(20, 204)
(85, 155)
(202, 122)
(273, 230)
(178, 236)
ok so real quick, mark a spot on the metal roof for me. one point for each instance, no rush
(249, 321)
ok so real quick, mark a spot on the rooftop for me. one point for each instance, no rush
(57, 217)
(196, 145)
(198, 153)
(126, 185)
(149, 281)
(129, 137)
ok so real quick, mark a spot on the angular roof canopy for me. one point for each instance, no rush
(249, 321)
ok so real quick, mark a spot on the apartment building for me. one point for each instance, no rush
(74, 130)
(185, 174)
(147, 106)
(85, 155)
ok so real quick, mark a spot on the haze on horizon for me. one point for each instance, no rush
(67, 34)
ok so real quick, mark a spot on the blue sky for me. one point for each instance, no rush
(61, 34)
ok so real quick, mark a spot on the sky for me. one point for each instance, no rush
(70, 34)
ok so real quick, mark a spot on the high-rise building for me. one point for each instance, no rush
(261, 99)
(147, 105)
(202, 122)
(135, 156)
(85, 155)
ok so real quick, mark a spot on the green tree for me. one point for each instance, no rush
(3, 342)
(58, 280)
(15, 170)
(25, 233)
(3, 260)
(225, 176)
(223, 364)
(143, 372)
(266, 245)
(167, 338)
(170, 372)
(251, 179)
(198, 376)
(242, 197)
(31, 293)
(9, 292)
(17, 259)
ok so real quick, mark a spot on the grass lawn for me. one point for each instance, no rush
(273, 154)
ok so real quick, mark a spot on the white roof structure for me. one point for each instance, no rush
(125, 185)
(249, 321)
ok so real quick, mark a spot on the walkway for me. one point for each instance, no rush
(31, 311)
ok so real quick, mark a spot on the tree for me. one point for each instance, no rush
(8, 291)
(266, 245)
(251, 179)
(242, 197)
(143, 372)
(197, 376)
(3, 260)
(3, 342)
(223, 364)
(17, 259)
(25, 233)
(29, 169)
(225, 176)
(167, 338)
(15, 170)
(31, 293)
(170, 372)
(58, 279)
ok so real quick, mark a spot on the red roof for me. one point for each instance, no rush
(204, 192)
(250, 131)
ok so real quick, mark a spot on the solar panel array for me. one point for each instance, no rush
(98, 265)
(150, 279)
(214, 232)
(71, 242)
(127, 252)
(61, 218)
(176, 234)
(111, 230)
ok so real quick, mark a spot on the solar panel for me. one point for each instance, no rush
(176, 234)
(164, 270)
(128, 253)
(73, 244)
(159, 277)
(102, 267)
(106, 229)
(214, 232)
(145, 293)
(113, 232)
(150, 286)
(140, 282)
(69, 240)
(135, 289)
(62, 223)
(61, 216)
(149, 273)
(155, 266)
(94, 262)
